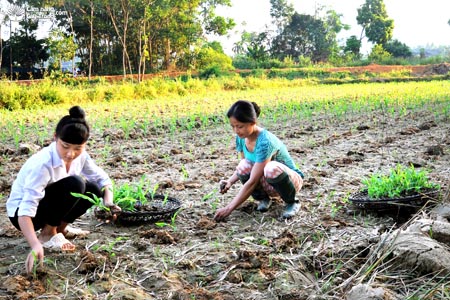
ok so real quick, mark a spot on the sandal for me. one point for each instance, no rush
(73, 232)
(59, 243)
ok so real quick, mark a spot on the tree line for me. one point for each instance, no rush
(142, 36)
(314, 37)
(109, 36)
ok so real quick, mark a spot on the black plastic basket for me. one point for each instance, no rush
(362, 200)
(159, 207)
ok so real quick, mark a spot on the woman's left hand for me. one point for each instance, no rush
(114, 211)
(224, 186)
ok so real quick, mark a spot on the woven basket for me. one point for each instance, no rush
(414, 201)
(159, 207)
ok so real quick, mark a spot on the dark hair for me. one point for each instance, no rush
(73, 128)
(244, 111)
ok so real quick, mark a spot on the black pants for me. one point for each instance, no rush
(58, 205)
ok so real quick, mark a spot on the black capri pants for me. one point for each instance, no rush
(58, 204)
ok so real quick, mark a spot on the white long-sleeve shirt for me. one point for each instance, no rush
(44, 168)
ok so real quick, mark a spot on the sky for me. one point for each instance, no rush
(416, 22)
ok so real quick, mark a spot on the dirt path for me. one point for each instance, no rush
(416, 70)
(252, 255)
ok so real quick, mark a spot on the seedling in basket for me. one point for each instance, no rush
(126, 196)
(153, 191)
(166, 198)
(401, 181)
(129, 196)
(94, 199)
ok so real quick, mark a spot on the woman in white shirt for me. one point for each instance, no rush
(41, 196)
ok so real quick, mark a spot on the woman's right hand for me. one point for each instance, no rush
(222, 213)
(224, 186)
(37, 253)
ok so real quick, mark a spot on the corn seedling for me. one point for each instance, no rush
(110, 247)
(401, 181)
(105, 151)
(35, 264)
(173, 218)
(153, 191)
(264, 242)
(127, 196)
(184, 172)
(213, 197)
(172, 222)
(124, 165)
(94, 199)
(217, 243)
(166, 198)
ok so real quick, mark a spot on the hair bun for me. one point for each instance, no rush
(77, 112)
(256, 108)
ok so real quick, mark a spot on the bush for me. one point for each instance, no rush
(208, 58)
(304, 61)
(258, 73)
(145, 90)
(297, 73)
(234, 83)
(212, 72)
(378, 54)
(14, 97)
(273, 63)
(398, 49)
(243, 63)
(247, 63)
(50, 96)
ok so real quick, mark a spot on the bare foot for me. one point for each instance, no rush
(73, 232)
(68, 246)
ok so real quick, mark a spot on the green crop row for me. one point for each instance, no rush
(281, 100)
(15, 96)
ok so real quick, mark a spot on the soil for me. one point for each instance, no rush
(250, 255)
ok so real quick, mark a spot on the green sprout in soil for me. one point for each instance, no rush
(212, 198)
(401, 181)
(35, 264)
(172, 221)
(110, 247)
(153, 191)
